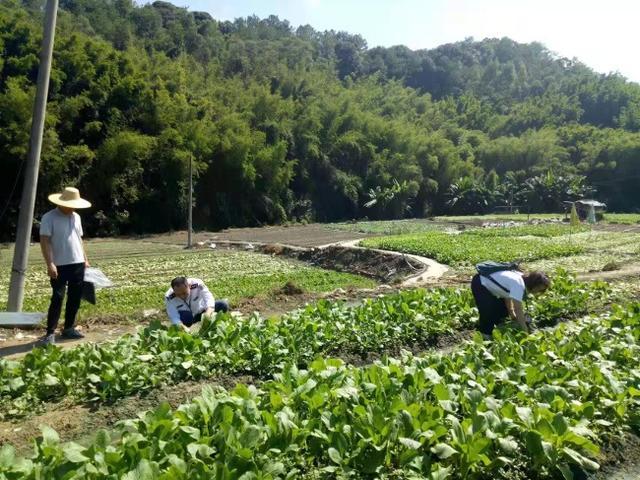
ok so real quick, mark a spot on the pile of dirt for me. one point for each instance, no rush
(291, 288)
(387, 268)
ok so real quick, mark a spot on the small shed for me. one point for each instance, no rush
(584, 206)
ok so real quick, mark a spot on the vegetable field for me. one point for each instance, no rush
(518, 407)
(142, 272)
(398, 386)
(470, 248)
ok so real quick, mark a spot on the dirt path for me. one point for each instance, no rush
(17, 343)
(313, 235)
(430, 272)
(632, 270)
(621, 462)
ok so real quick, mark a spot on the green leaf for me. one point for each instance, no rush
(16, 383)
(73, 453)
(440, 473)
(347, 392)
(508, 445)
(50, 380)
(7, 456)
(442, 450)
(49, 435)
(102, 439)
(410, 443)
(144, 471)
(565, 470)
(526, 415)
(334, 455)
(579, 459)
(441, 391)
(274, 468)
(250, 436)
(634, 392)
(179, 464)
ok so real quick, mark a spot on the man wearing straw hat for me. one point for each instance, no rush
(63, 251)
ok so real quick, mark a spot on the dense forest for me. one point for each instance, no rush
(292, 124)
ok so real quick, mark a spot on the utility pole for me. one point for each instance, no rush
(190, 227)
(28, 200)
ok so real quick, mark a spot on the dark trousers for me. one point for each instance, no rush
(492, 310)
(72, 276)
(220, 306)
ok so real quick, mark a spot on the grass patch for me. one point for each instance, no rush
(508, 217)
(547, 230)
(388, 227)
(465, 249)
(599, 249)
(622, 218)
(142, 272)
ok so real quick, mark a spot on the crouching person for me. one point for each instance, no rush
(188, 299)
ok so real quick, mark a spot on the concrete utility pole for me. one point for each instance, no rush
(28, 200)
(190, 226)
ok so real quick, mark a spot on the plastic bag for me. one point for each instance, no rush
(95, 276)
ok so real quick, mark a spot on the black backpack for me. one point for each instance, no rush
(485, 269)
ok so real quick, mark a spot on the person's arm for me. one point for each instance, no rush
(516, 312)
(172, 313)
(81, 235)
(209, 300)
(45, 246)
(86, 260)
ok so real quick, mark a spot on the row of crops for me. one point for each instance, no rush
(521, 407)
(255, 345)
(475, 246)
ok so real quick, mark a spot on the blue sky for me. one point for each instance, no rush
(602, 34)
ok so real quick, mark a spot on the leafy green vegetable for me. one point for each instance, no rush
(530, 404)
(465, 249)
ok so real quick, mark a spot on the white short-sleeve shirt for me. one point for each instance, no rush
(65, 233)
(512, 281)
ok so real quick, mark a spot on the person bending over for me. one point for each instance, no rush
(501, 294)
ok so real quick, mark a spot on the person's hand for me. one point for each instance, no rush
(209, 311)
(52, 271)
(86, 263)
(529, 322)
(185, 328)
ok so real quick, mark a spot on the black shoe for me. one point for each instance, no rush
(72, 334)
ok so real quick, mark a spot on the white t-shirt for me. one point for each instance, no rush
(65, 234)
(510, 280)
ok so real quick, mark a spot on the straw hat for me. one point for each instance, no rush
(70, 197)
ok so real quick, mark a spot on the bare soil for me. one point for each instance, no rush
(312, 235)
(16, 343)
(625, 271)
(388, 268)
(620, 461)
